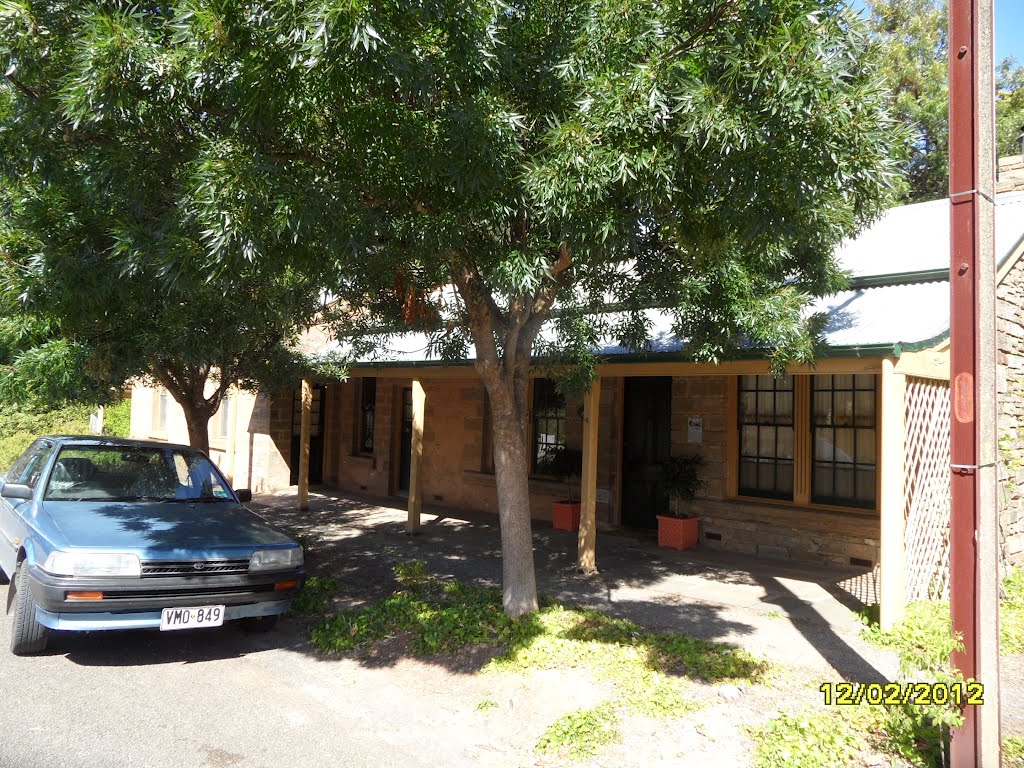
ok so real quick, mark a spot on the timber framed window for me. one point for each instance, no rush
(367, 414)
(162, 405)
(845, 437)
(548, 421)
(224, 416)
(766, 436)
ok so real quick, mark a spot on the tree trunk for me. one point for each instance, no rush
(198, 421)
(511, 474)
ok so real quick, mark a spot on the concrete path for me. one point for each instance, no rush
(796, 615)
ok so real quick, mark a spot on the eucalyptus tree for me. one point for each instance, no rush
(107, 148)
(478, 170)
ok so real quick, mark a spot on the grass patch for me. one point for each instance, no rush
(647, 671)
(1013, 752)
(581, 734)
(813, 739)
(316, 595)
(1011, 613)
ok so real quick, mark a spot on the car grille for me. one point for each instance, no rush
(186, 593)
(189, 567)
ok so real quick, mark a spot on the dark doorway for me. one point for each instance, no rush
(405, 442)
(646, 442)
(316, 436)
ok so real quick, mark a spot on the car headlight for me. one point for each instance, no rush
(86, 564)
(275, 559)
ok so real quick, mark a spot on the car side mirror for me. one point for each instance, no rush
(244, 495)
(15, 491)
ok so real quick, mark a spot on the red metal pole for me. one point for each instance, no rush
(964, 358)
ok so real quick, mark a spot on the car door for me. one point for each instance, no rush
(25, 470)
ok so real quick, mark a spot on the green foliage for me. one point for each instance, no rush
(1013, 752)
(117, 418)
(647, 671)
(485, 704)
(1009, 107)
(912, 46)
(811, 739)
(119, 172)
(19, 427)
(682, 476)
(581, 734)
(1011, 612)
(316, 595)
(924, 641)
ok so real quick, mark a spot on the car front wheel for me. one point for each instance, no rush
(28, 635)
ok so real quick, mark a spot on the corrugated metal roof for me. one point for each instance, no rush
(900, 308)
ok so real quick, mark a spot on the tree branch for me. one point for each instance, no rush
(22, 87)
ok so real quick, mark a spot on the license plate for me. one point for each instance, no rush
(191, 618)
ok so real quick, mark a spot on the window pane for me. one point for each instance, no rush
(766, 436)
(845, 450)
(865, 405)
(822, 408)
(866, 439)
(865, 381)
(748, 445)
(548, 422)
(784, 407)
(748, 406)
(866, 484)
(785, 443)
(785, 477)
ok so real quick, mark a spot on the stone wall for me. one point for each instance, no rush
(1010, 377)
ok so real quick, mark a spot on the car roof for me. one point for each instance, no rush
(121, 441)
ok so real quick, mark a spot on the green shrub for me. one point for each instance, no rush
(316, 595)
(19, 427)
(924, 641)
(1011, 612)
(582, 733)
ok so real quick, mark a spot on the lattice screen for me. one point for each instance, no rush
(926, 489)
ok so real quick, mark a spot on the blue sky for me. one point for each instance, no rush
(1009, 28)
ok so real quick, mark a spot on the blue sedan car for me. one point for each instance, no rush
(102, 533)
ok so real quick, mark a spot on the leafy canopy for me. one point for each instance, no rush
(113, 145)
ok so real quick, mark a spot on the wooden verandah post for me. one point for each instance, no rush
(305, 428)
(587, 557)
(419, 399)
(892, 592)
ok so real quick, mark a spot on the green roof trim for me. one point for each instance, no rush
(858, 351)
(899, 278)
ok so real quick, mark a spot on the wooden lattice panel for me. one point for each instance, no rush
(926, 489)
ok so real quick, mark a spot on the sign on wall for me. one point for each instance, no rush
(695, 429)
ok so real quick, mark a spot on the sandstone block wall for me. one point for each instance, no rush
(1010, 378)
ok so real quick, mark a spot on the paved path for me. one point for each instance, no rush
(798, 616)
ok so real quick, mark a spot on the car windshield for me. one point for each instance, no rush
(134, 473)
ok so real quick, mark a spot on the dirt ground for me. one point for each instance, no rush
(487, 718)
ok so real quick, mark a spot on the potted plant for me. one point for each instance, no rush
(682, 478)
(565, 464)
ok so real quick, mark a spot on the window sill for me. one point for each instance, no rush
(786, 504)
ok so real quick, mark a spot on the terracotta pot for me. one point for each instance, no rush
(565, 515)
(678, 532)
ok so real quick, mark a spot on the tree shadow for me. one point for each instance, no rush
(638, 581)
